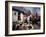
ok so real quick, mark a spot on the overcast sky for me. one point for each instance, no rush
(32, 9)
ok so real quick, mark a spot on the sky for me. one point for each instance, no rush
(33, 10)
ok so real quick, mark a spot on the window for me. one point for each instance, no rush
(19, 16)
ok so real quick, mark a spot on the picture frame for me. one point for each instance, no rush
(34, 7)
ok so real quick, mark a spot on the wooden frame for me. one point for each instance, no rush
(6, 17)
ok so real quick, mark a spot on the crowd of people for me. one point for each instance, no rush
(29, 22)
